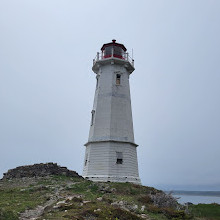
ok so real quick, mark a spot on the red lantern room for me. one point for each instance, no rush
(113, 53)
(113, 49)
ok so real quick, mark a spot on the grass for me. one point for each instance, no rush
(88, 189)
(14, 199)
(91, 210)
(132, 189)
(207, 211)
(62, 178)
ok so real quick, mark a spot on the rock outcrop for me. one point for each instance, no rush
(39, 170)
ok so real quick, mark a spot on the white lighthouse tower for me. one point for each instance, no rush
(111, 151)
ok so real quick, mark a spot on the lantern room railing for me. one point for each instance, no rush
(123, 55)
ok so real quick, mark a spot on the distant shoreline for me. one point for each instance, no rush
(195, 193)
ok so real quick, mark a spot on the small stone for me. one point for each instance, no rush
(121, 203)
(84, 202)
(135, 207)
(61, 202)
(142, 208)
(70, 198)
(99, 199)
(144, 216)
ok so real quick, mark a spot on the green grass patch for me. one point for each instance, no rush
(8, 215)
(13, 201)
(88, 189)
(80, 187)
(133, 189)
(209, 211)
(61, 178)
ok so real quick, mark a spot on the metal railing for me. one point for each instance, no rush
(123, 56)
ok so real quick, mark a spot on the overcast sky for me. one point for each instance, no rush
(47, 85)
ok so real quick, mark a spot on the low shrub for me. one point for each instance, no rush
(163, 200)
(75, 199)
(154, 209)
(175, 214)
(89, 213)
(67, 207)
(123, 215)
(145, 199)
(107, 200)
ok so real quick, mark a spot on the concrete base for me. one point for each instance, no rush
(122, 179)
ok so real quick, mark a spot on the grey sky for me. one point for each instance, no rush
(47, 85)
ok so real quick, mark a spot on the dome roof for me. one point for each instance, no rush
(113, 43)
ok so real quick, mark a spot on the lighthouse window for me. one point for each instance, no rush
(93, 113)
(86, 159)
(108, 52)
(97, 82)
(117, 52)
(118, 79)
(119, 157)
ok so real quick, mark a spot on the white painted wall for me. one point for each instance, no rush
(112, 127)
(102, 166)
(112, 105)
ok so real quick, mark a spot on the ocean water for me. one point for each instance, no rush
(197, 199)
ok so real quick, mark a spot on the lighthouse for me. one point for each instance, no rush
(111, 153)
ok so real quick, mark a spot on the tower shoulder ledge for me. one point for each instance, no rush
(126, 142)
(112, 60)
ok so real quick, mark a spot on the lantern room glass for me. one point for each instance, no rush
(114, 51)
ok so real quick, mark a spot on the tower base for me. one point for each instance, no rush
(112, 161)
(121, 179)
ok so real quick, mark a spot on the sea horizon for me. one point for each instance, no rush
(196, 197)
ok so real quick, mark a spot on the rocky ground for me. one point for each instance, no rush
(54, 196)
